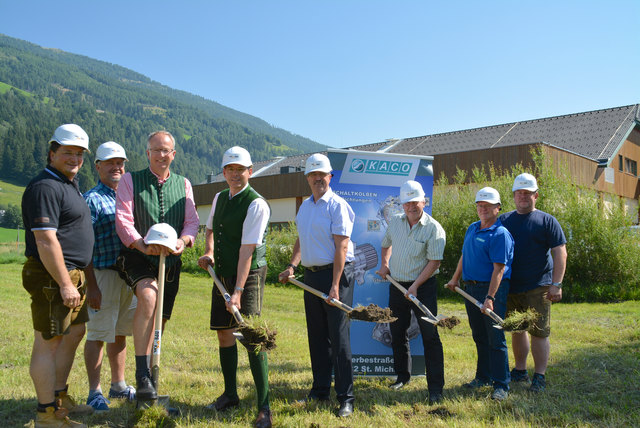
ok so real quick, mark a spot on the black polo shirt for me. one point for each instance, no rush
(52, 202)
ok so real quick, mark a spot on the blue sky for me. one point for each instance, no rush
(356, 72)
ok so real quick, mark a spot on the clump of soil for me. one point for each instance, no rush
(372, 313)
(520, 321)
(257, 334)
(448, 322)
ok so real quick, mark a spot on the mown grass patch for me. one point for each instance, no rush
(593, 377)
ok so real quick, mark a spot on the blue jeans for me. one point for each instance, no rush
(491, 345)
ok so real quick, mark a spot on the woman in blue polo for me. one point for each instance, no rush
(485, 269)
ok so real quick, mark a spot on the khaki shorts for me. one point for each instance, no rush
(251, 301)
(50, 316)
(536, 299)
(117, 307)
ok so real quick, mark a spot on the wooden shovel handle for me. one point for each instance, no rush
(320, 294)
(413, 298)
(473, 300)
(223, 291)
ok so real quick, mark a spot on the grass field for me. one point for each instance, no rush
(10, 193)
(593, 378)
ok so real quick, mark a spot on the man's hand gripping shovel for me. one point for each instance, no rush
(487, 312)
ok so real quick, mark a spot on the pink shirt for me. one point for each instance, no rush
(125, 226)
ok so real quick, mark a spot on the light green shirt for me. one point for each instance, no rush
(412, 248)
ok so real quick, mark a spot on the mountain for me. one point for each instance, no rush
(42, 88)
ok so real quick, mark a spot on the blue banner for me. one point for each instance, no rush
(370, 182)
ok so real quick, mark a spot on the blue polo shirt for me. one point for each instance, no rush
(52, 202)
(102, 204)
(484, 247)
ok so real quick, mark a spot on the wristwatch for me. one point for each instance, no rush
(557, 284)
(292, 266)
(493, 299)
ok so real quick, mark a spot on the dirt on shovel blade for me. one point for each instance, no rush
(520, 321)
(448, 322)
(259, 336)
(373, 313)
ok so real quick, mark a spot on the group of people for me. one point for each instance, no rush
(88, 265)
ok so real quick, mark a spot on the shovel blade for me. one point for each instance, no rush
(431, 320)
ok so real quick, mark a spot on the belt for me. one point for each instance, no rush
(471, 281)
(319, 268)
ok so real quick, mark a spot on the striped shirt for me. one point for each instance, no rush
(102, 204)
(413, 247)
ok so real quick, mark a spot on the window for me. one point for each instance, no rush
(620, 163)
(631, 167)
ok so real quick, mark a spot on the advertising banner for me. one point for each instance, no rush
(370, 182)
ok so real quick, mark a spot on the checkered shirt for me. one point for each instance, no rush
(102, 204)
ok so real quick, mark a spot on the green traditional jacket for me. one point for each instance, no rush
(158, 203)
(227, 232)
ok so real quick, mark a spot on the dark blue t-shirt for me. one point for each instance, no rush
(484, 247)
(534, 234)
(52, 202)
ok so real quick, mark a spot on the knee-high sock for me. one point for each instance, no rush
(229, 366)
(260, 371)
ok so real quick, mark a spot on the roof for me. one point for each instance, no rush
(596, 135)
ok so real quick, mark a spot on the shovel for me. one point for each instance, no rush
(368, 313)
(265, 338)
(488, 312)
(429, 316)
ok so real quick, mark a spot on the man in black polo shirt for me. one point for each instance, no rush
(59, 244)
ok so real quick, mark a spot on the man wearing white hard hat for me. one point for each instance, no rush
(145, 198)
(412, 249)
(539, 263)
(238, 225)
(111, 302)
(59, 242)
(325, 222)
(485, 269)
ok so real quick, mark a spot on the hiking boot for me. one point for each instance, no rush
(146, 391)
(476, 383)
(223, 403)
(129, 393)
(52, 418)
(519, 376)
(538, 383)
(63, 399)
(499, 394)
(98, 402)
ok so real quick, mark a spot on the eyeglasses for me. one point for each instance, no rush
(163, 152)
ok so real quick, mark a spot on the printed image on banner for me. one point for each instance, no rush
(375, 199)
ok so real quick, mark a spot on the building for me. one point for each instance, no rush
(601, 149)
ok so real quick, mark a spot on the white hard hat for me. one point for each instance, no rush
(525, 182)
(162, 234)
(488, 194)
(110, 150)
(317, 162)
(411, 191)
(71, 135)
(236, 155)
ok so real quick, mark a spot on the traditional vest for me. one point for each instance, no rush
(158, 203)
(227, 232)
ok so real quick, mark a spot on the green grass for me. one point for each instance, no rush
(10, 193)
(593, 377)
(9, 235)
(5, 88)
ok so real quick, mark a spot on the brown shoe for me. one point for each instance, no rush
(66, 401)
(264, 418)
(52, 418)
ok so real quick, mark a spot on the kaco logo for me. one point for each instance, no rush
(374, 166)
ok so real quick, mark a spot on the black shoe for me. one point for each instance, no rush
(145, 390)
(345, 410)
(435, 398)
(398, 385)
(223, 403)
(264, 418)
(519, 376)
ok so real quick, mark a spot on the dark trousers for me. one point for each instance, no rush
(491, 345)
(433, 354)
(329, 336)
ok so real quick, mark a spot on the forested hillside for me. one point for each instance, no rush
(42, 88)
